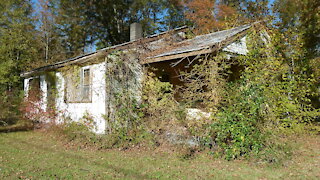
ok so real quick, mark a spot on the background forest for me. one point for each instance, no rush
(278, 90)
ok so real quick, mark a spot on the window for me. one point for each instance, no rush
(85, 89)
(78, 88)
(50, 95)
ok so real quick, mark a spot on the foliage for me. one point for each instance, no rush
(275, 151)
(17, 51)
(211, 15)
(34, 109)
(74, 27)
(248, 9)
(16, 41)
(49, 40)
(287, 87)
(81, 132)
(10, 108)
(204, 88)
(207, 16)
(299, 24)
(84, 24)
(123, 118)
(77, 131)
(204, 84)
(272, 94)
(239, 128)
(175, 14)
(300, 16)
(161, 110)
(88, 120)
(19, 125)
(134, 121)
(127, 126)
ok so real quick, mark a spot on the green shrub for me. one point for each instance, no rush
(238, 129)
(160, 108)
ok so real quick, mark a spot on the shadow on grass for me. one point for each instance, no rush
(22, 125)
(91, 162)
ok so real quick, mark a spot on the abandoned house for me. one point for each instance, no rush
(88, 84)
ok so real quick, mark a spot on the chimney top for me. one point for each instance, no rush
(135, 31)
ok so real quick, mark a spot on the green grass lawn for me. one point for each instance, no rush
(39, 155)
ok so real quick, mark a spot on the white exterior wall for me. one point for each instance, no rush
(26, 85)
(96, 108)
(44, 91)
(237, 47)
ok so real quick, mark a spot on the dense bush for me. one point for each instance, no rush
(161, 110)
(239, 128)
(272, 94)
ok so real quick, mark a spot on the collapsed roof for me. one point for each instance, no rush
(201, 44)
(160, 51)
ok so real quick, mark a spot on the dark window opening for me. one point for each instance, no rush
(165, 77)
(34, 92)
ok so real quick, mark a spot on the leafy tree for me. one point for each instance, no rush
(175, 14)
(301, 16)
(49, 39)
(16, 41)
(106, 22)
(207, 16)
(76, 28)
(113, 19)
(250, 9)
(17, 51)
(299, 22)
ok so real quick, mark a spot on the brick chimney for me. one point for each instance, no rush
(135, 31)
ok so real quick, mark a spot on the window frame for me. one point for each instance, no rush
(82, 85)
(79, 89)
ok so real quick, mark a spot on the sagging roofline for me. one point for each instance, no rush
(82, 57)
(230, 35)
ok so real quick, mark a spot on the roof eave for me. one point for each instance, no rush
(81, 58)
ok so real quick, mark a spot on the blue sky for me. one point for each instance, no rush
(92, 47)
(35, 1)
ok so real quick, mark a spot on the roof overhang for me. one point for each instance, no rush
(203, 44)
(209, 48)
(89, 56)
